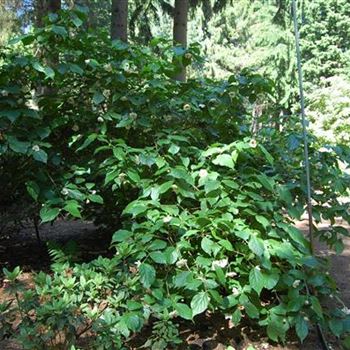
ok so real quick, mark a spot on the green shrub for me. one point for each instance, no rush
(203, 211)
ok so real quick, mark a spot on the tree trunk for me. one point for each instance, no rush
(39, 7)
(180, 30)
(119, 22)
(53, 6)
(43, 8)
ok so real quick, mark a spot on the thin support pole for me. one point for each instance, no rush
(305, 134)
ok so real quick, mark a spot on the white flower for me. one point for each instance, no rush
(203, 173)
(108, 67)
(64, 191)
(173, 314)
(235, 291)
(201, 105)
(124, 98)
(253, 143)
(174, 187)
(186, 107)
(346, 310)
(318, 165)
(258, 268)
(188, 55)
(231, 274)
(133, 115)
(75, 127)
(167, 219)
(181, 263)
(306, 319)
(87, 61)
(219, 263)
(121, 176)
(296, 283)
(100, 119)
(93, 192)
(87, 201)
(307, 302)
(36, 148)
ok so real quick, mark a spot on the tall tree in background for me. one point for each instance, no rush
(180, 30)
(119, 22)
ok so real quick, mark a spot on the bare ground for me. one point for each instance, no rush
(14, 251)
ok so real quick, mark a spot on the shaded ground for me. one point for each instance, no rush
(208, 334)
(23, 249)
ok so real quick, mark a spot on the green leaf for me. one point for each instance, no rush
(49, 214)
(276, 330)
(158, 257)
(163, 188)
(251, 310)
(227, 245)
(174, 149)
(256, 245)
(98, 98)
(224, 160)
(91, 138)
(157, 244)
(18, 146)
(49, 72)
(267, 155)
(77, 21)
(211, 186)
(301, 328)
(316, 306)
(40, 156)
(285, 195)
(184, 311)
(76, 69)
(121, 236)
(147, 275)
(96, 198)
(271, 280)
(59, 30)
(132, 321)
(199, 303)
(336, 326)
(33, 189)
(267, 182)
(209, 246)
(72, 207)
(256, 279)
(236, 317)
(12, 115)
(263, 221)
(135, 208)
